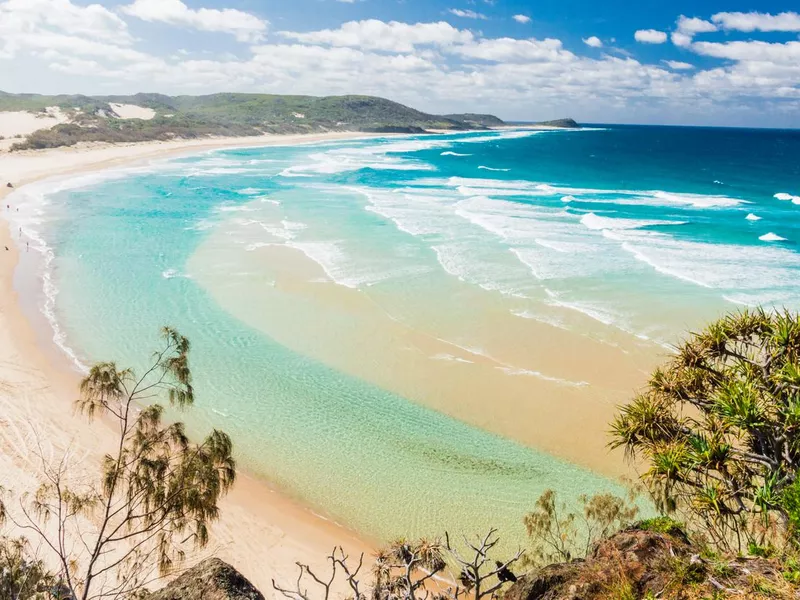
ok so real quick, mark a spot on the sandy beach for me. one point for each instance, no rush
(261, 532)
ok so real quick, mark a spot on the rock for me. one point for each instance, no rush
(632, 557)
(212, 579)
(638, 563)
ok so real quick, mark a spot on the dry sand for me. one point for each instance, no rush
(131, 111)
(261, 532)
(18, 124)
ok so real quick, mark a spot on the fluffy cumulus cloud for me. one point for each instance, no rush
(650, 36)
(755, 21)
(593, 42)
(244, 26)
(522, 19)
(373, 34)
(432, 65)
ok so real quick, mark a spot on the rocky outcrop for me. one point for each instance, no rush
(211, 579)
(636, 563)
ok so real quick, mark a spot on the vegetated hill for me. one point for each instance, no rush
(477, 120)
(93, 118)
(565, 123)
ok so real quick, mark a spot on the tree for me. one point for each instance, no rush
(559, 534)
(157, 491)
(719, 427)
(407, 570)
(479, 577)
(23, 577)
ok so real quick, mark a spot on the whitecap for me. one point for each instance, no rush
(451, 153)
(752, 217)
(771, 237)
(568, 198)
(787, 197)
(593, 221)
(493, 169)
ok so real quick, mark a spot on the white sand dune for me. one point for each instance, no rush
(21, 123)
(132, 111)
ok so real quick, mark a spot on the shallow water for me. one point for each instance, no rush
(327, 288)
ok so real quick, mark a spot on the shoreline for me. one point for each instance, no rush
(262, 532)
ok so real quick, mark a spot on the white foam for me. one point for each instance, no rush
(547, 320)
(752, 217)
(771, 237)
(235, 208)
(539, 375)
(787, 197)
(714, 266)
(451, 358)
(496, 187)
(249, 191)
(593, 221)
(493, 169)
(451, 153)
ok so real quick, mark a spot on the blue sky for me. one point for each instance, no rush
(718, 63)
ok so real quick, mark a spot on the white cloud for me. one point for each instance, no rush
(244, 26)
(682, 40)
(693, 25)
(467, 14)
(751, 51)
(755, 21)
(593, 42)
(373, 34)
(650, 36)
(511, 50)
(677, 65)
(91, 22)
(522, 19)
(432, 66)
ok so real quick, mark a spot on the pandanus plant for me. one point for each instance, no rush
(718, 427)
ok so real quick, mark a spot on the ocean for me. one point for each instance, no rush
(422, 333)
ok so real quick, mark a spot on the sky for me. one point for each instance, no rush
(701, 62)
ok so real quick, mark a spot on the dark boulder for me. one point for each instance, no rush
(212, 579)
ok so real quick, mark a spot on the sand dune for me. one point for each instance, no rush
(131, 111)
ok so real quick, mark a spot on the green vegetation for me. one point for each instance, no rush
(93, 118)
(559, 534)
(156, 494)
(476, 120)
(662, 524)
(719, 428)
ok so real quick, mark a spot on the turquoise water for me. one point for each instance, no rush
(637, 232)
